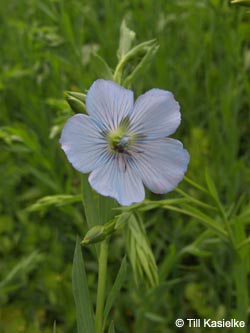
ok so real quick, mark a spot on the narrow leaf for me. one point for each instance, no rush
(90, 202)
(84, 310)
(54, 327)
(101, 68)
(211, 186)
(116, 288)
(213, 191)
(142, 66)
(126, 39)
(111, 327)
(54, 201)
(204, 219)
(22, 268)
(106, 208)
(137, 52)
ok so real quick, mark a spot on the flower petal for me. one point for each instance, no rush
(156, 114)
(109, 103)
(161, 164)
(82, 142)
(117, 179)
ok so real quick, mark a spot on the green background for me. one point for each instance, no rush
(204, 59)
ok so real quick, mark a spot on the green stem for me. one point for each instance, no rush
(102, 274)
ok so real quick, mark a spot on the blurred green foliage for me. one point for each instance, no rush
(50, 46)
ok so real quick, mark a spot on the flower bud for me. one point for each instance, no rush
(76, 101)
(77, 95)
(94, 235)
(99, 232)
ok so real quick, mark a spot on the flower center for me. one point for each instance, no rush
(119, 141)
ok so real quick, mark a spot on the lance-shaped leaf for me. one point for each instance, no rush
(127, 37)
(84, 310)
(98, 209)
(111, 327)
(132, 58)
(101, 68)
(142, 65)
(54, 327)
(116, 288)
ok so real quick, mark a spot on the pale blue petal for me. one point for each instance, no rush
(156, 114)
(83, 142)
(109, 103)
(161, 163)
(117, 179)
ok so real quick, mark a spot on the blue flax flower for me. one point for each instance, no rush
(124, 144)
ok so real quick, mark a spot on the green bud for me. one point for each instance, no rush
(94, 235)
(99, 232)
(77, 95)
(76, 101)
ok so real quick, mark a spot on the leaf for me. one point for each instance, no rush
(43, 177)
(101, 68)
(213, 191)
(111, 327)
(211, 186)
(54, 327)
(116, 288)
(90, 202)
(121, 221)
(24, 266)
(205, 219)
(155, 318)
(98, 209)
(142, 65)
(196, 251)
(106, 208)
(127, 37)
(195, 185)
(132, 58)
(47, 10)
(84, 310)
(54, 200)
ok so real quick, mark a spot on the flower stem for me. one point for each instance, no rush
(102, 274)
